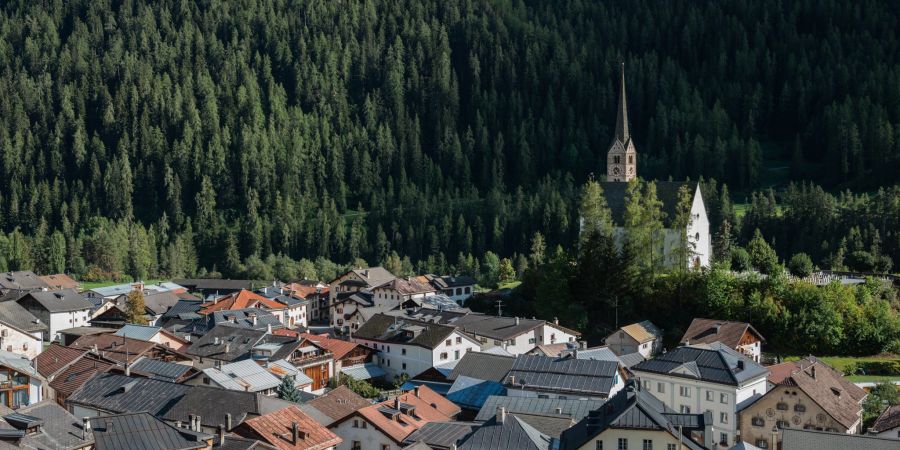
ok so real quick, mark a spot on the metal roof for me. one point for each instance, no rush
(63, 300)
(472, 393)
(16, 316)
(796, 439)
(512, 433)
(244, 375)
(139, 332)
(115, 290)
(576, 409)
(590, 377)
(441, 434)
(363, 371)
(59, 429)
(712, 363)
(162, 370)
(483, 366)
(118, 394)
(139, 431)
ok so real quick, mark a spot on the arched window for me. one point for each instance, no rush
(616, 159)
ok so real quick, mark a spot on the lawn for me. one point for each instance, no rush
(872, 378)
(841, 363)
(509, 285)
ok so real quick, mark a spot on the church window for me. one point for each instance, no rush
(616, 159)
(630, 159)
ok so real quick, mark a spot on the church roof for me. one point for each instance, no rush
(666, 191)
(622, 134)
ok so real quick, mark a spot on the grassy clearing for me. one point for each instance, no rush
(843, 362)
(871, 378)
(509, 285)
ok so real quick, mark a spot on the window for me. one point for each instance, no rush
(365, 424)
(671, 447)
(684, 391)
(623, 444)
(468, 290)
(723, 417)
(723, 438)
(355, 423)
(458, 340)
(648, 444)
(356, 445)
(599, 445)
(531, 340)
(448, 342)
(385, 447)
(543, 396)
(685, 409)
(782, 406)
(757, 421)
(498, 342)
(762, 443)
(646, 385)
(402, 351)
(709, 396)
(443, 355)
(404, 366)
(799, 408)
(456, 354)
(782, 424)
(723, 398)
(617, 159)
(661, 388)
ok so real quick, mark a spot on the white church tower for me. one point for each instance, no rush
(621, 160)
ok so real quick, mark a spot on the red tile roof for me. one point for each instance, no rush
(60, 281)
(239, 300)
(303, 290)
(402, 425)
(337, 347)
(338, 403)
(707, 331)
(888, 420)
(839, 397)
(74, 376)
(116, 348)
(275, 428)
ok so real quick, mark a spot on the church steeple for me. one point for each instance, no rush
(621, 160)
(622, 117)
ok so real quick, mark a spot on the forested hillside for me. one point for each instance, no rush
(147, 137)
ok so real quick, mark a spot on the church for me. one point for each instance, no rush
(621, 167)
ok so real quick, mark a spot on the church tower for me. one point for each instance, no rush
(621, 160)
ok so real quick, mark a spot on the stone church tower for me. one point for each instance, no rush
(621, 160)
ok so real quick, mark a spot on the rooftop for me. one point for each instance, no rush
(63, 300)
(589, 377)
(716, 364)
(797, 439)
(134, 431)
(707, 331)
(334, 405)
(15, 316)
(275, 428)
(116, 393)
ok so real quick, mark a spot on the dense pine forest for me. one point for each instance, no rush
(268, 138)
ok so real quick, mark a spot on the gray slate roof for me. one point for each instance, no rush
(576, 409)
(120, 394)
(796, 439)
(384, 328)
(630, 408)
(160, 370)
(236, 340)
(545, 373)
(483, 366)
(513, 433)
(441, 434)
(59, 430)
(714, 364)
(63, 300)
(212, 404)
(666, 192)
(139, 332)
(15, 316)
(22, 280)
(140, 431)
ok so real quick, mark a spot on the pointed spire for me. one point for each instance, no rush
(622, 133)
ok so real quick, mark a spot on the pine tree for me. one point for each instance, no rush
(287, 390)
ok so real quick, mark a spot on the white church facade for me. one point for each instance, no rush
(621, 167)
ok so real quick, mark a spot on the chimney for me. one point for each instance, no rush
(190, 422)
(397, 403)
(558, 410)
(556, 321)
(416, 391)
(216, 340)
(517, 320)
(294, 433)
(253, 319)
(812, 371)
(501, 414)
(197, 423)
(512, 380)
(221, 435)
(228, 421)
(127, 369)
(268, 328)
(85, 427)
(583, 345)
(227, 348)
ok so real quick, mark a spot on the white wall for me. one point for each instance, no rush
(698, 401)
(370, 438)
(635, 439)
(62, 320)
(19, 342)
(699, 227)
(391, 357)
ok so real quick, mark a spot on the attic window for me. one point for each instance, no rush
(836, 391)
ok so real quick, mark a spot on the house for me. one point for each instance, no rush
(20, 331)
(296, 307)
(804, 394)
(515, 335)
(44, 425)
(634, 418)
(334, 405)
(411, 347)
(642, 337)
(125, 351)
(14, 284)
(153, 334)
(399, 290)
(66, 369)
(621, 167)
(248, 376)
(346, 354)
(350, 310)
(740, 336)
(887, 425)
(106, 394)
(314, 292)
(158, 303)
(563, 378)
(704, 378)
(223, 345)
(132, 431)
(60, 281)
(506, 431)
(796, 439)
(244, 299)
(193, 324)
(58, 310)
(289, 429)
(354, 280)
(527, 407)
(457, 288)
(162, 370)
(212, 407)
(21, 384)
(70, 335)
(386, 425)
(604, 353)
(114, 291)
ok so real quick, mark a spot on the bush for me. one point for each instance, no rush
(740, 259)
(800, 265)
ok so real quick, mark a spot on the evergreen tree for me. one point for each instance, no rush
(287, 390)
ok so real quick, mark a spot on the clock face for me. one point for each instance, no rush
(770, 412)
(615, 170)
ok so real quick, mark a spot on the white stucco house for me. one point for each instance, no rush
(58, 310)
